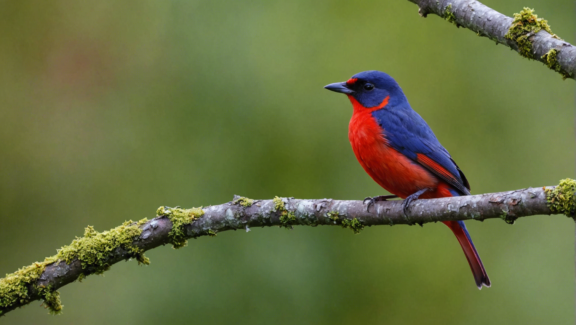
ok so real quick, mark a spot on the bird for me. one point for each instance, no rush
(399, 151)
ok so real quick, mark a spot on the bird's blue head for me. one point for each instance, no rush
(371, 89)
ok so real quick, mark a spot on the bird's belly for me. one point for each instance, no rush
(392, 170)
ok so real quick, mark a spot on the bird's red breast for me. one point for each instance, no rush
(390, 169)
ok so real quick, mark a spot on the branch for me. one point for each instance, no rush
(96, 252)
(527, 34)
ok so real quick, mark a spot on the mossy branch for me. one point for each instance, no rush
(525, 33)
(95, 252)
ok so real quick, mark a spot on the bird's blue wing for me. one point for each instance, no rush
(410, 135)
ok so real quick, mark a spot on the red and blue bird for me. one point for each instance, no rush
(397, 148)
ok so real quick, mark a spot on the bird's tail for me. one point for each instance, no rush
(459, 229)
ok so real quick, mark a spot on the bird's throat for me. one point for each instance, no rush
(360, 108)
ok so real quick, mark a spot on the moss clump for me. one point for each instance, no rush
(179, 218)
(243, 201)
(93, 251)
(278, 204)
(287, 218)
(51, 300)
(355, 225)
(334, 216)
(14, 287)
(449, 15)
(551, 60)
(561, 199)
(525, 25)
(94, 248)
(508, 218)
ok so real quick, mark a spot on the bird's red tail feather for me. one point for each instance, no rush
(459, 229)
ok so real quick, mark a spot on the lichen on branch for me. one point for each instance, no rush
(14, 287)
(287, 218)
(96, 251)
(551, 60)
(525, 33)
(449, 15)
(91, 250)
(525, 25)
(243, 201)
(179, 218)
(561, 199)
(353, 224)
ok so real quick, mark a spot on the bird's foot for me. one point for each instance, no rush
(372, 200)
(411, 198)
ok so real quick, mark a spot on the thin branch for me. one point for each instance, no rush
(96, 252)
(529, 35)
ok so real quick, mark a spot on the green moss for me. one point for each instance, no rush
(287, 218)
(355, 225)
(551, 60)
(92, 250)
(179, 217)
(51, 300)
(561, 199)
(508, 218)
(14, 287)
(449, 15)
(334, 216)
(525, 25)
(243, 201)
(211, 233)
(278, 204)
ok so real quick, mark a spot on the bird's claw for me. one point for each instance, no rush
(370, 200)
(373, 200)
(410, 199)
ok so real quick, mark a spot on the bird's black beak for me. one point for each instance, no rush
(339, 87)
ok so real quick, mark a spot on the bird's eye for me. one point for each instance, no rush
(368, 86)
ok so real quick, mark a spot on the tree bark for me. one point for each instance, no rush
(487, 22)
(243, 213)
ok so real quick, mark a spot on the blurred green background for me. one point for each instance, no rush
(113, 108)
